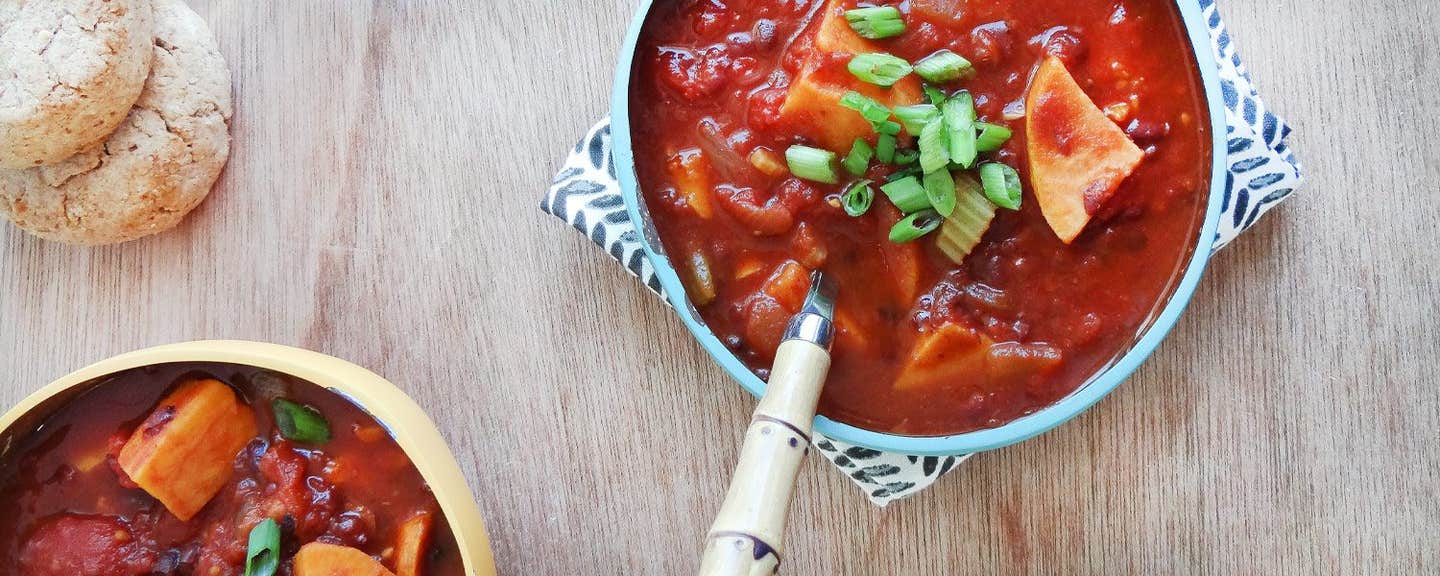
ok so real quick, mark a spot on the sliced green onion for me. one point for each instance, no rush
(866, 106)
(299, 422)
(907, 157)
(914, 118)
(888, 127)
(943, 66)
(262, 556)
(940, 190)
(885, 148)
(859, 157)
(905, 173)
(879, 68)
(1001, 183)
(937, 96)
(876, 23)
(907, 194)
(959, 114)
(934, 154)
(992, 136)
(914, 226)
(812, 164)
(857, 198)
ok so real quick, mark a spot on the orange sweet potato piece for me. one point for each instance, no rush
(902, 260)
(951, 353)
(320, 559)
(1078, 157)
(690, 172)
(813, 103)
(789, 285)
(184, 451)
(411, 539)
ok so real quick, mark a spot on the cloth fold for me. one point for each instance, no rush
(1263, 171)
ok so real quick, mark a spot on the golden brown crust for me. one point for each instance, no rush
(157, 167)
(70, 70)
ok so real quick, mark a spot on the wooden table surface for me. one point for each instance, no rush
(380, 206)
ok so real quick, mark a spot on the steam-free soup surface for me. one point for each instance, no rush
(927, 345)
(70, 507)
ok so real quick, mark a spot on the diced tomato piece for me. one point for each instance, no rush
(765, 321)
(74, 545)
(1078, 157)
(694, 74)
(768, 217)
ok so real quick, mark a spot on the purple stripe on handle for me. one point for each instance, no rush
(792, 427)
(762, 549)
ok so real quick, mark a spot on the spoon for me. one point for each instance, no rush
(747, 535)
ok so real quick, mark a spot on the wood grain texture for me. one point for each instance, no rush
(381, 206)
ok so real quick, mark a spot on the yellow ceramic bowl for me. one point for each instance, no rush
(413, 430)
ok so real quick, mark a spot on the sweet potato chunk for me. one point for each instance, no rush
(410, 542)
(1078, 157)
(319, 559)
(789, 285)
(184, 451)
(812, 105)
(690, 172)
(948, 354)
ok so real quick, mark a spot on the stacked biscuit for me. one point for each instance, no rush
(114, 117)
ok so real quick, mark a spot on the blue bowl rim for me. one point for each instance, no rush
(1018, 430)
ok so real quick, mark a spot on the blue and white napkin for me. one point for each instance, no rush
(1263, 172)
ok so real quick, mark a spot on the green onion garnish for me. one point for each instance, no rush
(914, 226)
(959, 114)
(943, 66)
(873, 111)
(934, 154)
(936, 95)
(907, 157)
(888, 127)
(299, 422)
(857, 198)
(876, 23)
(1001, 183)
(879, 68)
(859, 157)
(885, 148)
(916, 117)
(262, 557)
(940, 190)
(905, 173)
(907, 194)
(812, 164)
(992, 136)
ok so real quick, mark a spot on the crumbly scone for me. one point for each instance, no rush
(70, 70)
(157, 167)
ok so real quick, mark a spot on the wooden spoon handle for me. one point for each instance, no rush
(746, 538)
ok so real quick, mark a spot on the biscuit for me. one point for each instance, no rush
(158, 165)
(70, 70)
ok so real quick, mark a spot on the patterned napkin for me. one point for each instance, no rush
(1263, 172)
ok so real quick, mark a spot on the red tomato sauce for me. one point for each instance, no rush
(711, 80)
(69, 510)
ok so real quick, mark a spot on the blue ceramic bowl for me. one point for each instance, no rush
(1024, 428)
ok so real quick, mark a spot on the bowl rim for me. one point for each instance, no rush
(1024, 428)
(412, 429)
